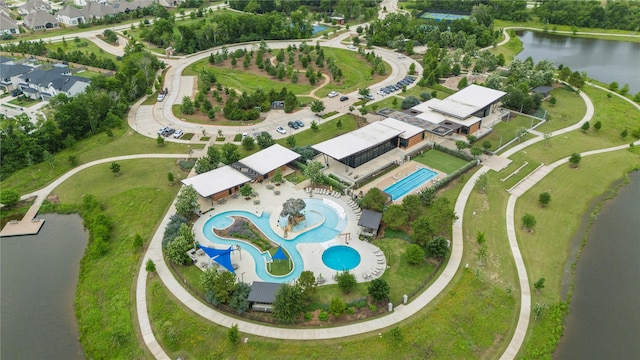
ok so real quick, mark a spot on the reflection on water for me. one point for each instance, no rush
(39, 278)
(603, 60)
(604, 321)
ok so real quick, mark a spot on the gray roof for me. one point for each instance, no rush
(269, 159)
(46, 77)
(370, 219)
(8, 71)
(263, 292)
(70, 11)
(6, 22)
(39, 18)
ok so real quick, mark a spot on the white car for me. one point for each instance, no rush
(351, 47)
(178, 134)
(400, 56)
(333, 94)
(160, 97)
(281, 130)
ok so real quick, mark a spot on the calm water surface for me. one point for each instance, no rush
(604, 321)
(39, 275)
(603, 60)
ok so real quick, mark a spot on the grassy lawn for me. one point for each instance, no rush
(89, 74)
(387, 102)
(545, 250)
(417, 90)
(219, 120)
(355, 69)
(440, 161)
(569, 109)
(84, 45)
(135, 201)
(296, 177)
(505, 131)
(327, 130)
(124, 142)
(512, 48)
(23, 101)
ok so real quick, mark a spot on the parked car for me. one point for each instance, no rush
(168, 131)
(333, 94)
(244, 135)
(344, 98)
(299, 123)
(281, 130)
(351, 47)
(293, 125)
(162, 130)
(367, 97)
(178, 134)
(160, 97)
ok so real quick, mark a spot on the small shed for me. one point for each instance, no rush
(370, 222)
(339, 20)
(262, 295)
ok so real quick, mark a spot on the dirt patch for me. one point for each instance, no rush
(52, 198)
(452, 82)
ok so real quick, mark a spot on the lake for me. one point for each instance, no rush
(39, 278)
(603, 60)
(604, 321)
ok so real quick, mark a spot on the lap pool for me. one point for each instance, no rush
(325, 229)
(409, 183)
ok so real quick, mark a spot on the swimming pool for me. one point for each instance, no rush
(409, 183)
(341, 258)
(331, 226)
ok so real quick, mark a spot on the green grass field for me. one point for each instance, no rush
(440, 161)
(569, 109)
(327, 130)
(135, 201)
(124, 142)
(23, 101)
(84, 45)
(505, 131)
(512, 48)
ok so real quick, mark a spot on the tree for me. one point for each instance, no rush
(442, 215)
(314, 126)
(575, 159)
(414, 254)
(233, 334)
(150, 266)
(248, 143)
(346, 281)
(425, 96)
(115, 168)
(476, 151)
(264, 140)
(461, 144)
(553, 101)
(224, 286)
(544, 199)
(422, 230)
(288, 303)
(317, 106)
(481, 183)
(438, 247)
(307, 284)
(598, 125)
(463, 83)
(364, 91)
(246, 190)
(486, 144)
(613, 86)
(9, 197)
(137, 241)
(374, 200)
(291, 141)
(395, 217)
(187, 201)
(176, 250)
(239, 301)
(428, 195)
(411, 206)
(187, 106)
(409, 102)
(624, 133)
(585, 127)
(230, 153)
(379, 289)
(528, 222)
(160, 141)
(337, 307)
(170, 177)
(314, 172)
(412, 68)
(277, 176)
(539, 285)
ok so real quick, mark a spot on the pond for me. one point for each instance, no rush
(603, 60)
(318, 28)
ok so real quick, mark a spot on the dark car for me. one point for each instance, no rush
(293, 125)
(168, 131)
(344, 98)
(299, 123)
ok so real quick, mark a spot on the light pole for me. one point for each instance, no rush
(242, 277)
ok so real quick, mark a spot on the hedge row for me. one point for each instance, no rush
(456, 153)
(445, 181)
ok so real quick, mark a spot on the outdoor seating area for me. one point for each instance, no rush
(355, 207)
(322, 191)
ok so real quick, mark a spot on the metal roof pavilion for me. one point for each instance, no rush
(358, 140)
(467, 101)
(269, 159)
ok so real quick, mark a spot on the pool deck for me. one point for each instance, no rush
(371, 257)
(399, 173)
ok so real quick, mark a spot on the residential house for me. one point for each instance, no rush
(45, 84)
(73, 16)
(40, 20)
(8, 25)
(70, 16)
(33, 6)
(10, 74)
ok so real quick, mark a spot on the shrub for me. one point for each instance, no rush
(414, 254)
(346, 281)
(150, 266)
(409, 102)
(323, 316)
(337, 307)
